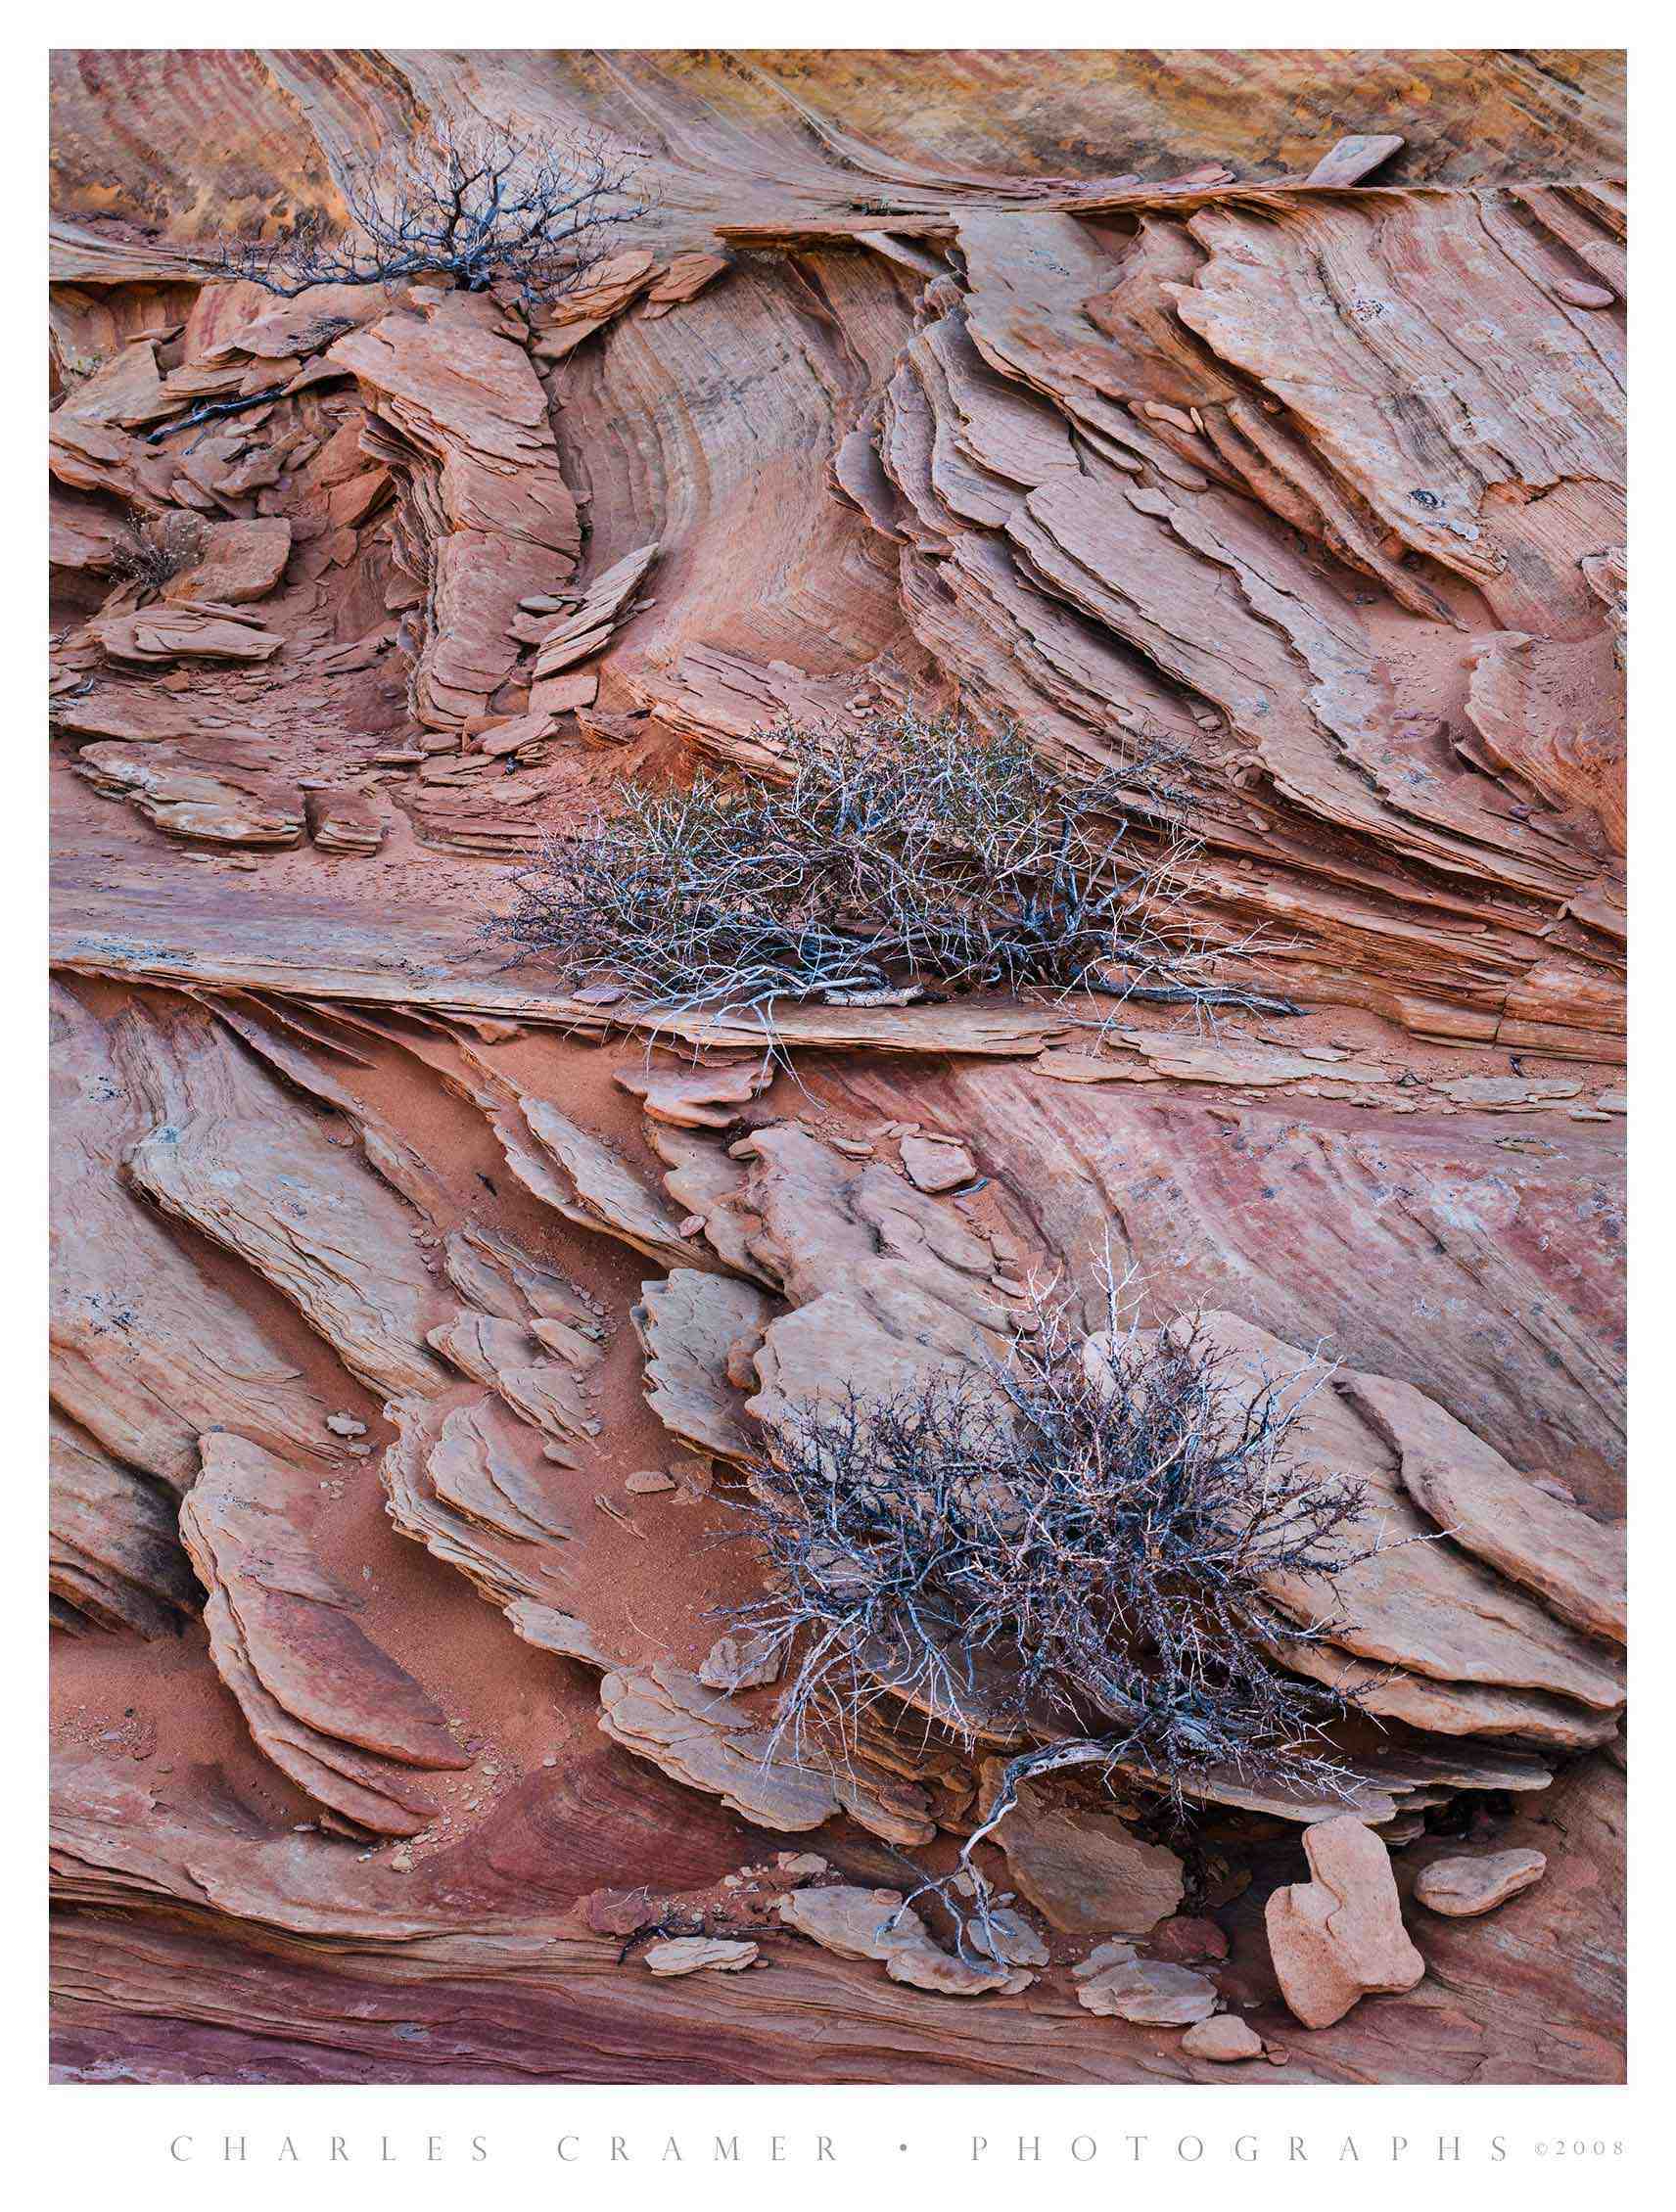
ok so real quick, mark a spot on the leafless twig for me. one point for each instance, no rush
(472, 205)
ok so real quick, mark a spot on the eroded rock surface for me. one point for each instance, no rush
(386, 1274)
(330, 1709)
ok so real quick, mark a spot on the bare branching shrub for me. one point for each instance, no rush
(1069, 1549)
(907, 854)
(473, 206)
(155, 552)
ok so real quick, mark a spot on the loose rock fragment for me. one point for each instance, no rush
(1008, 1938)
(1224, 2039)
(872, 1923)
(933, 1165)
(1340, 1937)
(693, 1955)
(1461, 1888)
(1115, 1980)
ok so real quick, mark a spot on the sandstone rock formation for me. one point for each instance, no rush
(1246, 425)
(1463, 1888)
(1089, 1874)
(1114, 1979)
(1340, 1936)
(330, 1709)
(874, 1923)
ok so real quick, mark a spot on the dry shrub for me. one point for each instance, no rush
(907, 854)
(1068, 1548)
(155, 552)
(471, 205)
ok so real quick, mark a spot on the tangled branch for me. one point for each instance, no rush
(152, 553)
(907, 854)
(472, 205)
(1069, 1551)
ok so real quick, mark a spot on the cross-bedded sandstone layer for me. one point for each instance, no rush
(413, 1313)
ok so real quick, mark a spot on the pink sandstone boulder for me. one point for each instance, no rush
(1340, 1937)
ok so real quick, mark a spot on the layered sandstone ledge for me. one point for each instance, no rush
(411, 1311)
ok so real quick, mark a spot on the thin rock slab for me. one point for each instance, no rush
(701, 1738)
(1085, 1872)
(872, 1923)
(1463, 1888)
(199, 802)
(740, 1662)
(1430, 1606)
(1340, 1937)
(1573, 1563)
(687, 1325)
(148, 1350)
(696, 1098)
(1008, 1939)
(241, 561)
(1115, 1981)
(696, 1954)
(237, 1157)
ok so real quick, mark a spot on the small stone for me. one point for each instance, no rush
(345, 1424)
(1461, 1888)
(1581, 294)
(1222, 2039)
(1115, 1981)
(693, 1954)
(800, 1863)
(744, 1662)
(1009, 1938)
(935, 1165)
(648, 1483)
(1187, 1941)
